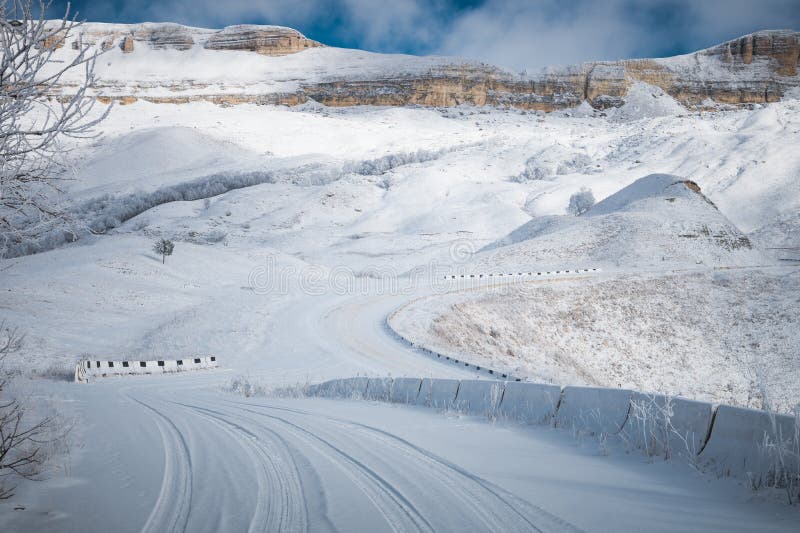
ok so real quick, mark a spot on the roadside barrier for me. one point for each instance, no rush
(531, 274)
(478, 397)
(746, 442)
(593, 409)
(448, 359)
(91, 369)
(759, 446)
(438, 393)
(353, 388)
(531, 403)
(666, 426)
(443, 393)
(379, 389)
(405, 390)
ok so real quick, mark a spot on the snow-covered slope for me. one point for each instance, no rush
(659, 220)
(727, 336)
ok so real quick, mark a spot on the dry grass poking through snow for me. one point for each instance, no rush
(727, 336)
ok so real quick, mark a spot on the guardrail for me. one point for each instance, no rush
(759, 446)
(491, 372)
(90, 369)
(521, 274)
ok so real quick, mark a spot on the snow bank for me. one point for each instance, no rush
(532, 403)
(593, 410)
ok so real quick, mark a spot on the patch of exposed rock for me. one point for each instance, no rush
(266, 40)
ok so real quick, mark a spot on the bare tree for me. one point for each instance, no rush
(35, 118)
(24, 445)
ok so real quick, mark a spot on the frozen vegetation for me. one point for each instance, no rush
(727, 336)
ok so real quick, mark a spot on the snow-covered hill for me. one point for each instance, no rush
(660, 220)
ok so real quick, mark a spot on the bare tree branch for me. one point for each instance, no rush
(35, 117)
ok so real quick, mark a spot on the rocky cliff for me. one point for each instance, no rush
(173, 63)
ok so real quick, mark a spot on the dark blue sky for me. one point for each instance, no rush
(514, 33)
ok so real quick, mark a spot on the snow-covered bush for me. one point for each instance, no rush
(382, 165)
(535, 169)
(576, 162)
(580, 202)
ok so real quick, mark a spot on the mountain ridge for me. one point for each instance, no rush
(288, 68)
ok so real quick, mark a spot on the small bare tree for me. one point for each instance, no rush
(24, 445)
(163, 247)
(35, 118)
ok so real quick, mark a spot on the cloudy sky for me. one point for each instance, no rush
(513, 33)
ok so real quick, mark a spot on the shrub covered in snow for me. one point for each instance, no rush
(580, 202)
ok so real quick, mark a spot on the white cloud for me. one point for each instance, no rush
(520, 34)
(513, 33)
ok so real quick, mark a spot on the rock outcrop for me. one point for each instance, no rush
(756, 68)
(266, 40)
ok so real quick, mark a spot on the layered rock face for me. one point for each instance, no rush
(756, 68)
(269, 40)
(156, 36)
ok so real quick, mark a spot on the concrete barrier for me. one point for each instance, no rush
(666, 426)
(531, 403)
(746, 443)
(87, 370)
(405, 390)
(479, 397)
(379, 389)
(354, 388)
(424, 396)
(443, 393)
(439, 393)
(593, 410)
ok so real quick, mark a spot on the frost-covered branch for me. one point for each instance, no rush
(34, 117)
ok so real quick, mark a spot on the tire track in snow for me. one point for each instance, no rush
(496, 508)
(171, 511)
(397, 510)
(280, 504)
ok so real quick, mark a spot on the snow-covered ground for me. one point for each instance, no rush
(726, 336)
(298, 231)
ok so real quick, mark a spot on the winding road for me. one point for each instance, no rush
(179, 453)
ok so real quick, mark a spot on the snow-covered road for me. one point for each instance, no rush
(178, 453)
